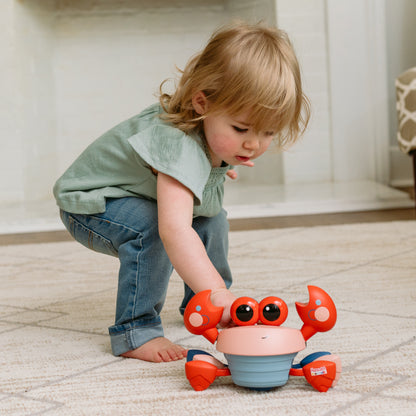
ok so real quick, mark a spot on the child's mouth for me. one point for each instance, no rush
(242, 158)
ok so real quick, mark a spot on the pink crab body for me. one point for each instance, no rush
(260, 356)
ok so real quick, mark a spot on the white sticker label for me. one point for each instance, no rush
(318, 371)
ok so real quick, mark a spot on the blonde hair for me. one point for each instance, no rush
(243, 68)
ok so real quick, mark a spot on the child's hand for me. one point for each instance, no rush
(233, 174)
(223, 297)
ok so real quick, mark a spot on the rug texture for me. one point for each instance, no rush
(57, 300)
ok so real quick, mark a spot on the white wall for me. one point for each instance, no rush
(27, 105)
(72, 69)
(357, 65)
(305, 21)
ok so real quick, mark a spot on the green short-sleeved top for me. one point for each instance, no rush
(118, 164)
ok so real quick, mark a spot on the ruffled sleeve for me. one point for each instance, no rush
(174, 153)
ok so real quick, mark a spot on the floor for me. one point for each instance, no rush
(57, 300)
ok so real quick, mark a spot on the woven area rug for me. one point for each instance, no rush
(57, 300)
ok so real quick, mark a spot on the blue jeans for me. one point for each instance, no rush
(128, 229)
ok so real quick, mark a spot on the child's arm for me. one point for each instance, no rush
(183, 245)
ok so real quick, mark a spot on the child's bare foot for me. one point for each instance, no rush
(157, 350)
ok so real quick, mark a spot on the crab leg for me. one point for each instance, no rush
(203, 368)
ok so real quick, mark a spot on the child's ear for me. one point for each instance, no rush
(200, 103)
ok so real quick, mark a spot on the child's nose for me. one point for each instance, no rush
(252, 143)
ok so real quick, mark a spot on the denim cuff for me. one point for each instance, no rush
(133, 338)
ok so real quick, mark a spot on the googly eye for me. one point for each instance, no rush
(273, 311)
(245, 311)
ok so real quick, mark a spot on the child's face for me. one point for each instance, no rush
(233, 140)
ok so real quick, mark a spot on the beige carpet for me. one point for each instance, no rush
(57, 300)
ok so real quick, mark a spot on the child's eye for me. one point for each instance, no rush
(269, 133)
(239, 129)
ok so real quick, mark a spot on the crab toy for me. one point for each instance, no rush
(260, 352)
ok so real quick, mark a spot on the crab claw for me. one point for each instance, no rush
(319, 315)
(201, 317)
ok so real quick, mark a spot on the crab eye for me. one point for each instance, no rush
(245, 311)
(273, 311)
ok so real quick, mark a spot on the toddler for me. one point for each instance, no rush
(150, 190)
